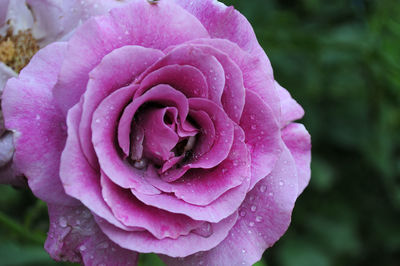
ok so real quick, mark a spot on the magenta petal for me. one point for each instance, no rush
(233, 97)
(131, 212)
(79, 179)
(116, 70)
(75, 236)
(263, 218)
(290, 109)
(162, 93)
(203, 186)
(224, 132)
(257, 71)
(226, 23)
(180, 247)
(298, 141)
(187, 79)
(208, 65)
(104, 124)
(219, 209)
(29, 110)
(159, 139)
(262, 136)
(165, 24)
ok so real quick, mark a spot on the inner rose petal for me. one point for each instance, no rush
(209, 66)
(162, 94)
(187, 79)
(133, 213)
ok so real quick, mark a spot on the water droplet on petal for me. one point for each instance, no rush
(258, 219)
(253, 208)
(242, 213)
(82, 248)
(253, 127)
(263, 188)
(252, 117)
(62, 222)
(281, 183)
(251, 224)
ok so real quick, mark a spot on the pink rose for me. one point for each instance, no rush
(158, 127)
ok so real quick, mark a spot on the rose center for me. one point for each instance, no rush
(159, 137)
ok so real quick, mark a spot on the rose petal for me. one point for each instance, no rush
(56, 19)
(113, 72)
(133, 213)
(187, 79)
(159, 139)
(290, 109)
(208, 65)
(257, 71)
(219, 209)
(27, 103)
(226, 23)
(233, 96)
(298, 141)
(180, 247)
(262, 136)
(79, 179)
(203, 186)
(162, 93)
(104, 124)
(263, 218)
(165, 24)
(75, 236)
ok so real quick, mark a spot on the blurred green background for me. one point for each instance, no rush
(341, 61)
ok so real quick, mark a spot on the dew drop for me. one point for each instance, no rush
(242, 213)
(243, 251)
(253, 127)
(251, 198)
(37, 117)
(281, 183)
(251, 224)
(263, 188)
(62, 222)
(253, 208)
(258, 219)
(252, 117)
(97, 120)
(82, 248)
(140, 164)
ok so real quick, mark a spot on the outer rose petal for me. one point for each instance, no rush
(54, 20)
(257, 75)
(113, 72)
(28, 104)
(226, 23)
(180, 247)
(298, 141)
(264, 217)
(290, 109)
(79, 179)
(74, 236)
(262, 136)
(156, 26)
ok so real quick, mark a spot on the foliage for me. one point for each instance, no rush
(341, 61)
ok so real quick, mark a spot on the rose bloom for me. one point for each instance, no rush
(158, 127)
